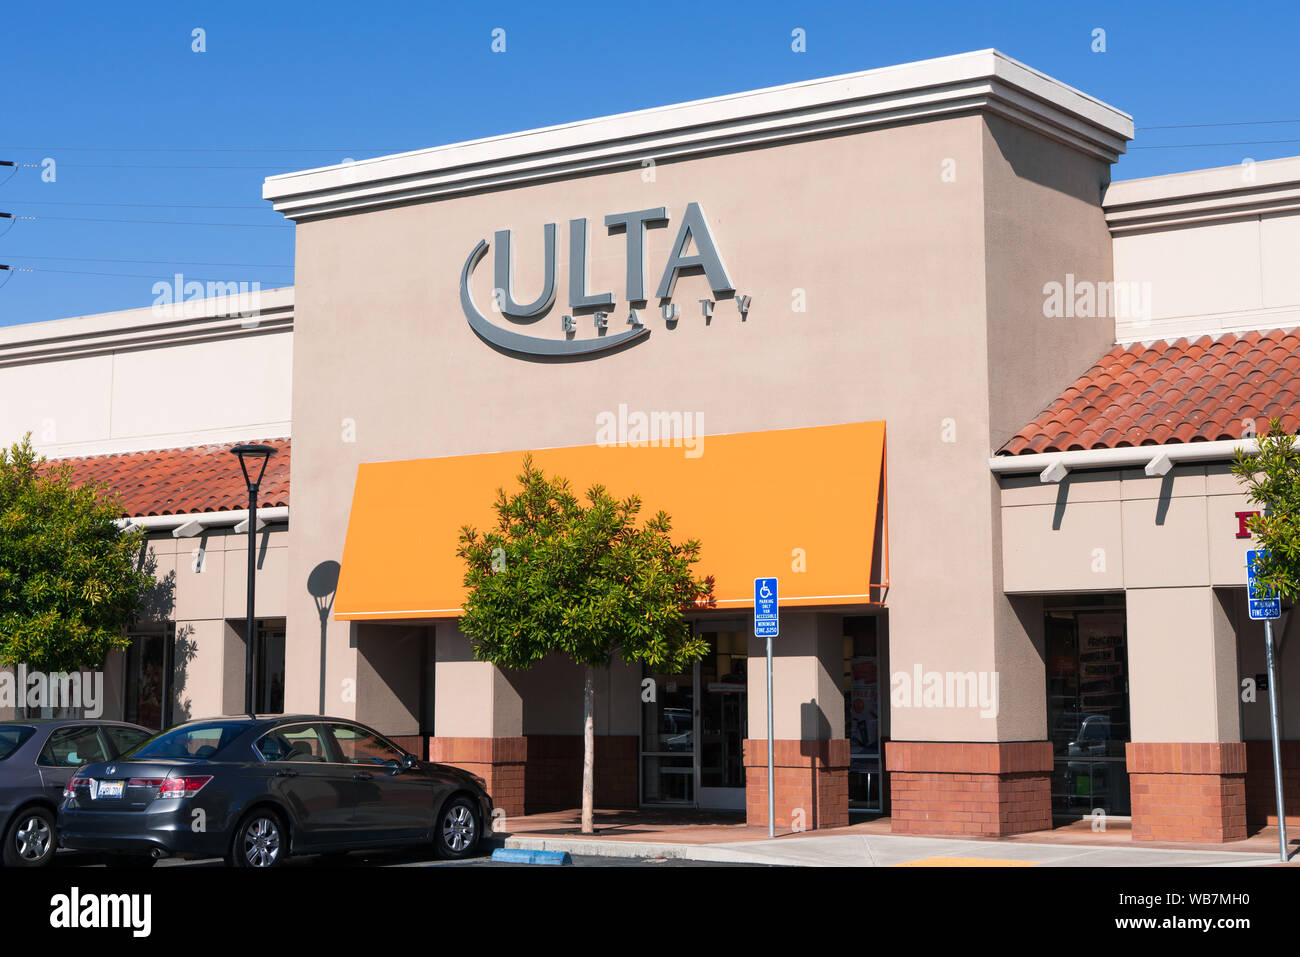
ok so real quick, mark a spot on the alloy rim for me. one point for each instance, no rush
(261, 842)
(458, 828)
(34, 839)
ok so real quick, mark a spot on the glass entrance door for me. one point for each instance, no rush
(668, 739)
(1088, 709)
(693, 728)
(724, 717)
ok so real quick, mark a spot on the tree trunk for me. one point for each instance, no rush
(588, 754)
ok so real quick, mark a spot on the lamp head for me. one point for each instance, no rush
(253, 458)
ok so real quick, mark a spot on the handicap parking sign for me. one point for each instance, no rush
(766, 616)
(1269, 607)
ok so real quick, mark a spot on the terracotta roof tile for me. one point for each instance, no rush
(203, 478)
(1181, 391)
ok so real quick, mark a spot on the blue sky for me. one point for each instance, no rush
(145, 132)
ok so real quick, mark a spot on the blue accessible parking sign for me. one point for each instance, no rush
(1260, 608)
(766, 617)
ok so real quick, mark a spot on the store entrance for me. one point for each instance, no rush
(693, 730)
(1088, 705)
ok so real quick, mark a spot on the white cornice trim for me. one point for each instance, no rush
(1173, 328)
(272, 515)
(161, 442)
(1128, 457)
(1203, 196)
(984, 81)
(193, 321)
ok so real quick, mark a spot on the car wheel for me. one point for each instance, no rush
(261, 840)
(458, 829)
(31, 839)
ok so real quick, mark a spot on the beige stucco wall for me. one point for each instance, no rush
(1213, 276)
(902, 273)
(807, 665)
(1182, 660)
(1170, 544)
(89, 385)
(202, 587)
(1117, 529)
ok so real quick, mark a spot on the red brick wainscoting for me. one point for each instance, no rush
(1188, 792)
(811, 778)
(553, 776)
(988, 789)
(1261, 802)
(498, 761)
(414, 744)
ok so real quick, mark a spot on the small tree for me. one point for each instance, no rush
(1272, 480)
(69, 576)
(560, 575)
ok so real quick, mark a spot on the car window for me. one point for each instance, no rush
(301, 742)
(190, 741)
(122, 740)
(12, 737)
(72, 747)
(358, 746)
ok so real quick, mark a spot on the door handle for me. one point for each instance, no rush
(362, 776)
(286, 774)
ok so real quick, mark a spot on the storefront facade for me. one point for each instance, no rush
(873, 250)
(814, 324)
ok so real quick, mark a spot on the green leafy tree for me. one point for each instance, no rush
(1272, 480)
(581, 578)
(70, 579)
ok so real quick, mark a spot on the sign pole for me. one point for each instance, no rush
(767, 624)
(771, 796)
(1277, 747)
(1266, 606)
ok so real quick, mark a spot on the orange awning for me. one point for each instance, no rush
(761, 503)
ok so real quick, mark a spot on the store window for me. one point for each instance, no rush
(862, 712)
(147, 688)
(1088, 706)
(269, 665)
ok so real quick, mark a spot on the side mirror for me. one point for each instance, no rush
(409, 761)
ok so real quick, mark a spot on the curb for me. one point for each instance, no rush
(589, 847)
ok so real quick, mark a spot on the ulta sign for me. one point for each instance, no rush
(693, 230)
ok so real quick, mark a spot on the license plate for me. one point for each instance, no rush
(108, 789)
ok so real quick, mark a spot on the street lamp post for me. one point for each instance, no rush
(251, 458)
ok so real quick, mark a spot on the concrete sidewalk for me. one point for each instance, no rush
(726, 837)
(883, 850)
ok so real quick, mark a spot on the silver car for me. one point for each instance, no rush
(37, 759)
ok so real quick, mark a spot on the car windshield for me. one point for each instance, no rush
(12, 737)
(188, 741)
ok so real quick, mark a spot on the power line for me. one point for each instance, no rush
(154, 222)
(151, 262)
(117, 275)
(265, 208)
(156, 166)
(210, 149)
(1184, 146)
(1198, 126)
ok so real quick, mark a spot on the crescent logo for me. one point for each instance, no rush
(693, 232)
(529, 345)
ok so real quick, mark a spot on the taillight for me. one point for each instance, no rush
(145, 782)
(74, 784)
(183, 787)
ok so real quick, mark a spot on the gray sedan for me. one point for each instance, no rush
(37, 759)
